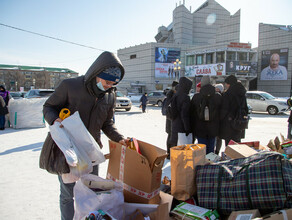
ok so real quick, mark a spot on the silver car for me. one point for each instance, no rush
(265, 102)
(156, 97)
(123, 102)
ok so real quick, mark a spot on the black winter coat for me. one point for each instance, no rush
(229, 108)
(182, 122)
(206, 129)
(169, 95)
(76, 94)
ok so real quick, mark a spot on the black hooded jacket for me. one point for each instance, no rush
(230, 104)
(206, 129)
(77, 94)
(182, 122)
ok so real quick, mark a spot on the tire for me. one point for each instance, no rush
(159, 103)
(273, 110)
(128, 109)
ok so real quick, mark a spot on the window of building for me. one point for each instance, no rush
(199, 59)
(220, 57)
(190, 60)
(242, 56)
(133, 56)
(231, 55)
(252, 57)
(209, 58)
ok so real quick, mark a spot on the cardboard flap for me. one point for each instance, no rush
(153, 154)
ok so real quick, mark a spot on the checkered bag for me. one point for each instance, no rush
(262, 181)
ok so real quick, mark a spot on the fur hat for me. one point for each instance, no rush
(220, 87)
(111, 74)
(205, 80)
(231, 80)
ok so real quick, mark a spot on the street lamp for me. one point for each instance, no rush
(33, 82)
(176, 68)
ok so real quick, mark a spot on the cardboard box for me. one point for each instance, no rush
(246, 214)
(279, 215)
(239, 151)
(140, 173)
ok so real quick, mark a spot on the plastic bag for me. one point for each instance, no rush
(184, 139)
(86, 200)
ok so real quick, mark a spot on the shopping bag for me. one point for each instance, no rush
(52, 158)
(183, 160)
(92, 192)
(183, 138)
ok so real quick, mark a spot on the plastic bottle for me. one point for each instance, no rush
(206, 113)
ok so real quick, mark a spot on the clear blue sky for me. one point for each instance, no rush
(106, 25)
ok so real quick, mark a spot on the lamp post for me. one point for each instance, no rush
(177, 68)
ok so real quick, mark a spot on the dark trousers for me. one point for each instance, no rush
(143, 108)
(209, 142)
(2, 121)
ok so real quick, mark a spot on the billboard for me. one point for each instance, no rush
(164, 59)
(241, 67)
(274, 64)
(217, 69)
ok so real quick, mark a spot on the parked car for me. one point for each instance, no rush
(265, 102)
(156, 97)
(39, 93)
(123, 102)
(16, 95)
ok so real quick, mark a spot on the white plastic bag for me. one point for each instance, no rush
(86, 200)
(184, 139)
(81, 137)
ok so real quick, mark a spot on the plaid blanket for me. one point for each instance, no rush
(262, 181)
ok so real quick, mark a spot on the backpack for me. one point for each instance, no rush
(240, 121)
(206, 110)
(171, 110)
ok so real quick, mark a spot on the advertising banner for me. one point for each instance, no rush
(217, 69)
(241, 67)
(274, 64)
(164, 59)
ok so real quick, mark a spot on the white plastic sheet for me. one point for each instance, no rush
(87, 200)
(184, 139)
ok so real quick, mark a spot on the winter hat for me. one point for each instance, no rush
(231, 80)
(174, 83)
(111, 74)
(198, 85)
(205, 80)
(220, 87)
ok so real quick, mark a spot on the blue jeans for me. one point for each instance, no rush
(209, 142)
(2, 121)
(66, 197)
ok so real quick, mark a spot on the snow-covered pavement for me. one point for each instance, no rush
(27, 192)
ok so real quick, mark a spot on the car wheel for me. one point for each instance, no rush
(272, 110)
(159, 103)
(128, 109)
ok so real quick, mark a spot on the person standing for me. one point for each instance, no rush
(6, 97)
(93, 96)
(289, 135)
(181, 122)
(3, 112)
(5, 94)
(205, 112)
(144, 101)
(231, 101)
(166, 102)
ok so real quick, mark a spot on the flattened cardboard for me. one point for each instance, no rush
(239, 151)
(245, 214)
(280, 215)
(141, 171)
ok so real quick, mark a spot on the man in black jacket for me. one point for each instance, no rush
(93, 96)
(234, 95)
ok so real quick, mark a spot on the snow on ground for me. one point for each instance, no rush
(27, 192)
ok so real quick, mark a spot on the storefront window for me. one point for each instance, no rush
(220, 57)
(209, 58)
(231, 55)
(199, 59)
(190, 60)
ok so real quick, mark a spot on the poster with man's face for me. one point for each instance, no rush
(274, 64)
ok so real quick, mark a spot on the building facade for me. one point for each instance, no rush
(16, 78)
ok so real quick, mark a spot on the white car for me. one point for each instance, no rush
(265, 102)
(123, 102)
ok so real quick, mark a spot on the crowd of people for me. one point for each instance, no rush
(208, 116)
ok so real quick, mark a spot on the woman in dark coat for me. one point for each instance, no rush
(206, 131)
(93, 96)
(234, 95)
(144, 101)
(181, 100)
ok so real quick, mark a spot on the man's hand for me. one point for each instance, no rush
(60, 121)
(123, 142)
